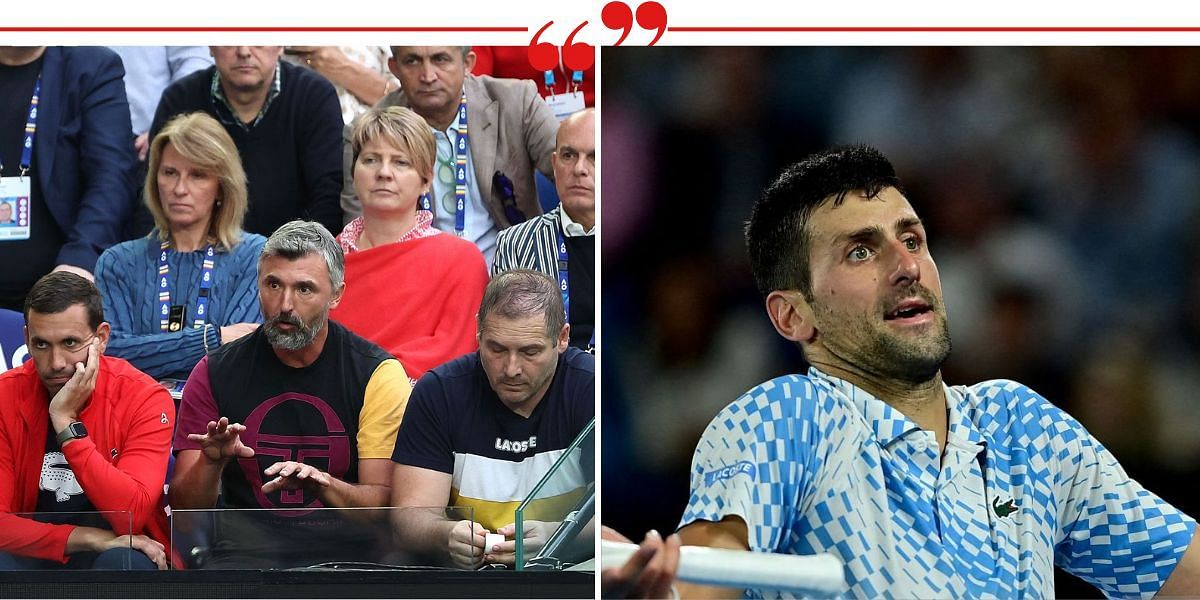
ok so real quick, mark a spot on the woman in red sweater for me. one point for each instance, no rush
(410, 288)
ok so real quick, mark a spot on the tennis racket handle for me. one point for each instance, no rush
(818, 574)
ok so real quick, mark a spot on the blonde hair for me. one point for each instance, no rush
(202, 141)
(402, 128)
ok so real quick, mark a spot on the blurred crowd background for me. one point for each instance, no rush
(1060, 188)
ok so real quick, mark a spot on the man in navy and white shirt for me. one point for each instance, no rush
(920, 488)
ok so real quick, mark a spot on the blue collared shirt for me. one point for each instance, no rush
(814, 464)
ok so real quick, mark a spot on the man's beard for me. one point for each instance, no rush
(905, 360)
(298, 338)
(875, 348)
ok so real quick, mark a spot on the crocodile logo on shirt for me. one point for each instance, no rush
(1007, 508)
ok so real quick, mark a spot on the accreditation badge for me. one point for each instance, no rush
(565, 105)
(175, 322)
(14, 208)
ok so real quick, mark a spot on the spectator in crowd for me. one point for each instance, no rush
(148, 71)
(299, 377)
(79, 432)
(77, 153)
(562, 242)
(411, 288)
(190, 287)
(358, 73)
(284, 120)
(511, 133)
(484, 428)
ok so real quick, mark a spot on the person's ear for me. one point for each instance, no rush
(469, 61)
(102, 334)
(792, 315)
(564, 338)
(336, 298)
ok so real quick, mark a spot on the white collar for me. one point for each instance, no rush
(570, 227)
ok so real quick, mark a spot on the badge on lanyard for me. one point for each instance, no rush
(170, 316)
(175, 323)
(565, 105)
(568, 103)
(15, 191)
(14, 208)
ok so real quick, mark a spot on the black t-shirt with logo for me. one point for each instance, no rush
(308, 414)
(59, 492)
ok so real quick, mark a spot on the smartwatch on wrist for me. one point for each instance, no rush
(73, 431)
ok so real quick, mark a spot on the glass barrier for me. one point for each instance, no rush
(554, 524)
(17, 547)
(320, 538)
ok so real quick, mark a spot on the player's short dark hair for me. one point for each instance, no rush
(58, 291)
(777, 235)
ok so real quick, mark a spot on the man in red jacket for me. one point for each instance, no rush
(80, 432)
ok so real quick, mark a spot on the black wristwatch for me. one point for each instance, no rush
(73, 431)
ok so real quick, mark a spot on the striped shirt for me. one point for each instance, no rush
(456, 424)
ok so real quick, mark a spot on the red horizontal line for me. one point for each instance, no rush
(265, 29)
(933, 29)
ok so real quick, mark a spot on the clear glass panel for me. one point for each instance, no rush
(13, 540)
(322, 538)
(554, 524)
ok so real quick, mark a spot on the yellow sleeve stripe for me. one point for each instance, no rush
(383, 408)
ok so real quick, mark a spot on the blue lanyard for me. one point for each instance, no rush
(164, 289)
(460, 173)
(460, 169)
(564, 284)
(30, 130)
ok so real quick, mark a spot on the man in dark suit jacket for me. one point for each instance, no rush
(285, 121)
(511, 133)
(81, 187)
(570, 229)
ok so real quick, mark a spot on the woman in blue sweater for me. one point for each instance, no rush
(190, 285)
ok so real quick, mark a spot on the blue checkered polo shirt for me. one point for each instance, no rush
(814, 464)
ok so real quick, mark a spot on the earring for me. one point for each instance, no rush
(218, 202)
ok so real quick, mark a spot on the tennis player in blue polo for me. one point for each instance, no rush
(921, 488)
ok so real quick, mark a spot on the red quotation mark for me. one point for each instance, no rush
(650, 16)
(577, 56)
(580, 56)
